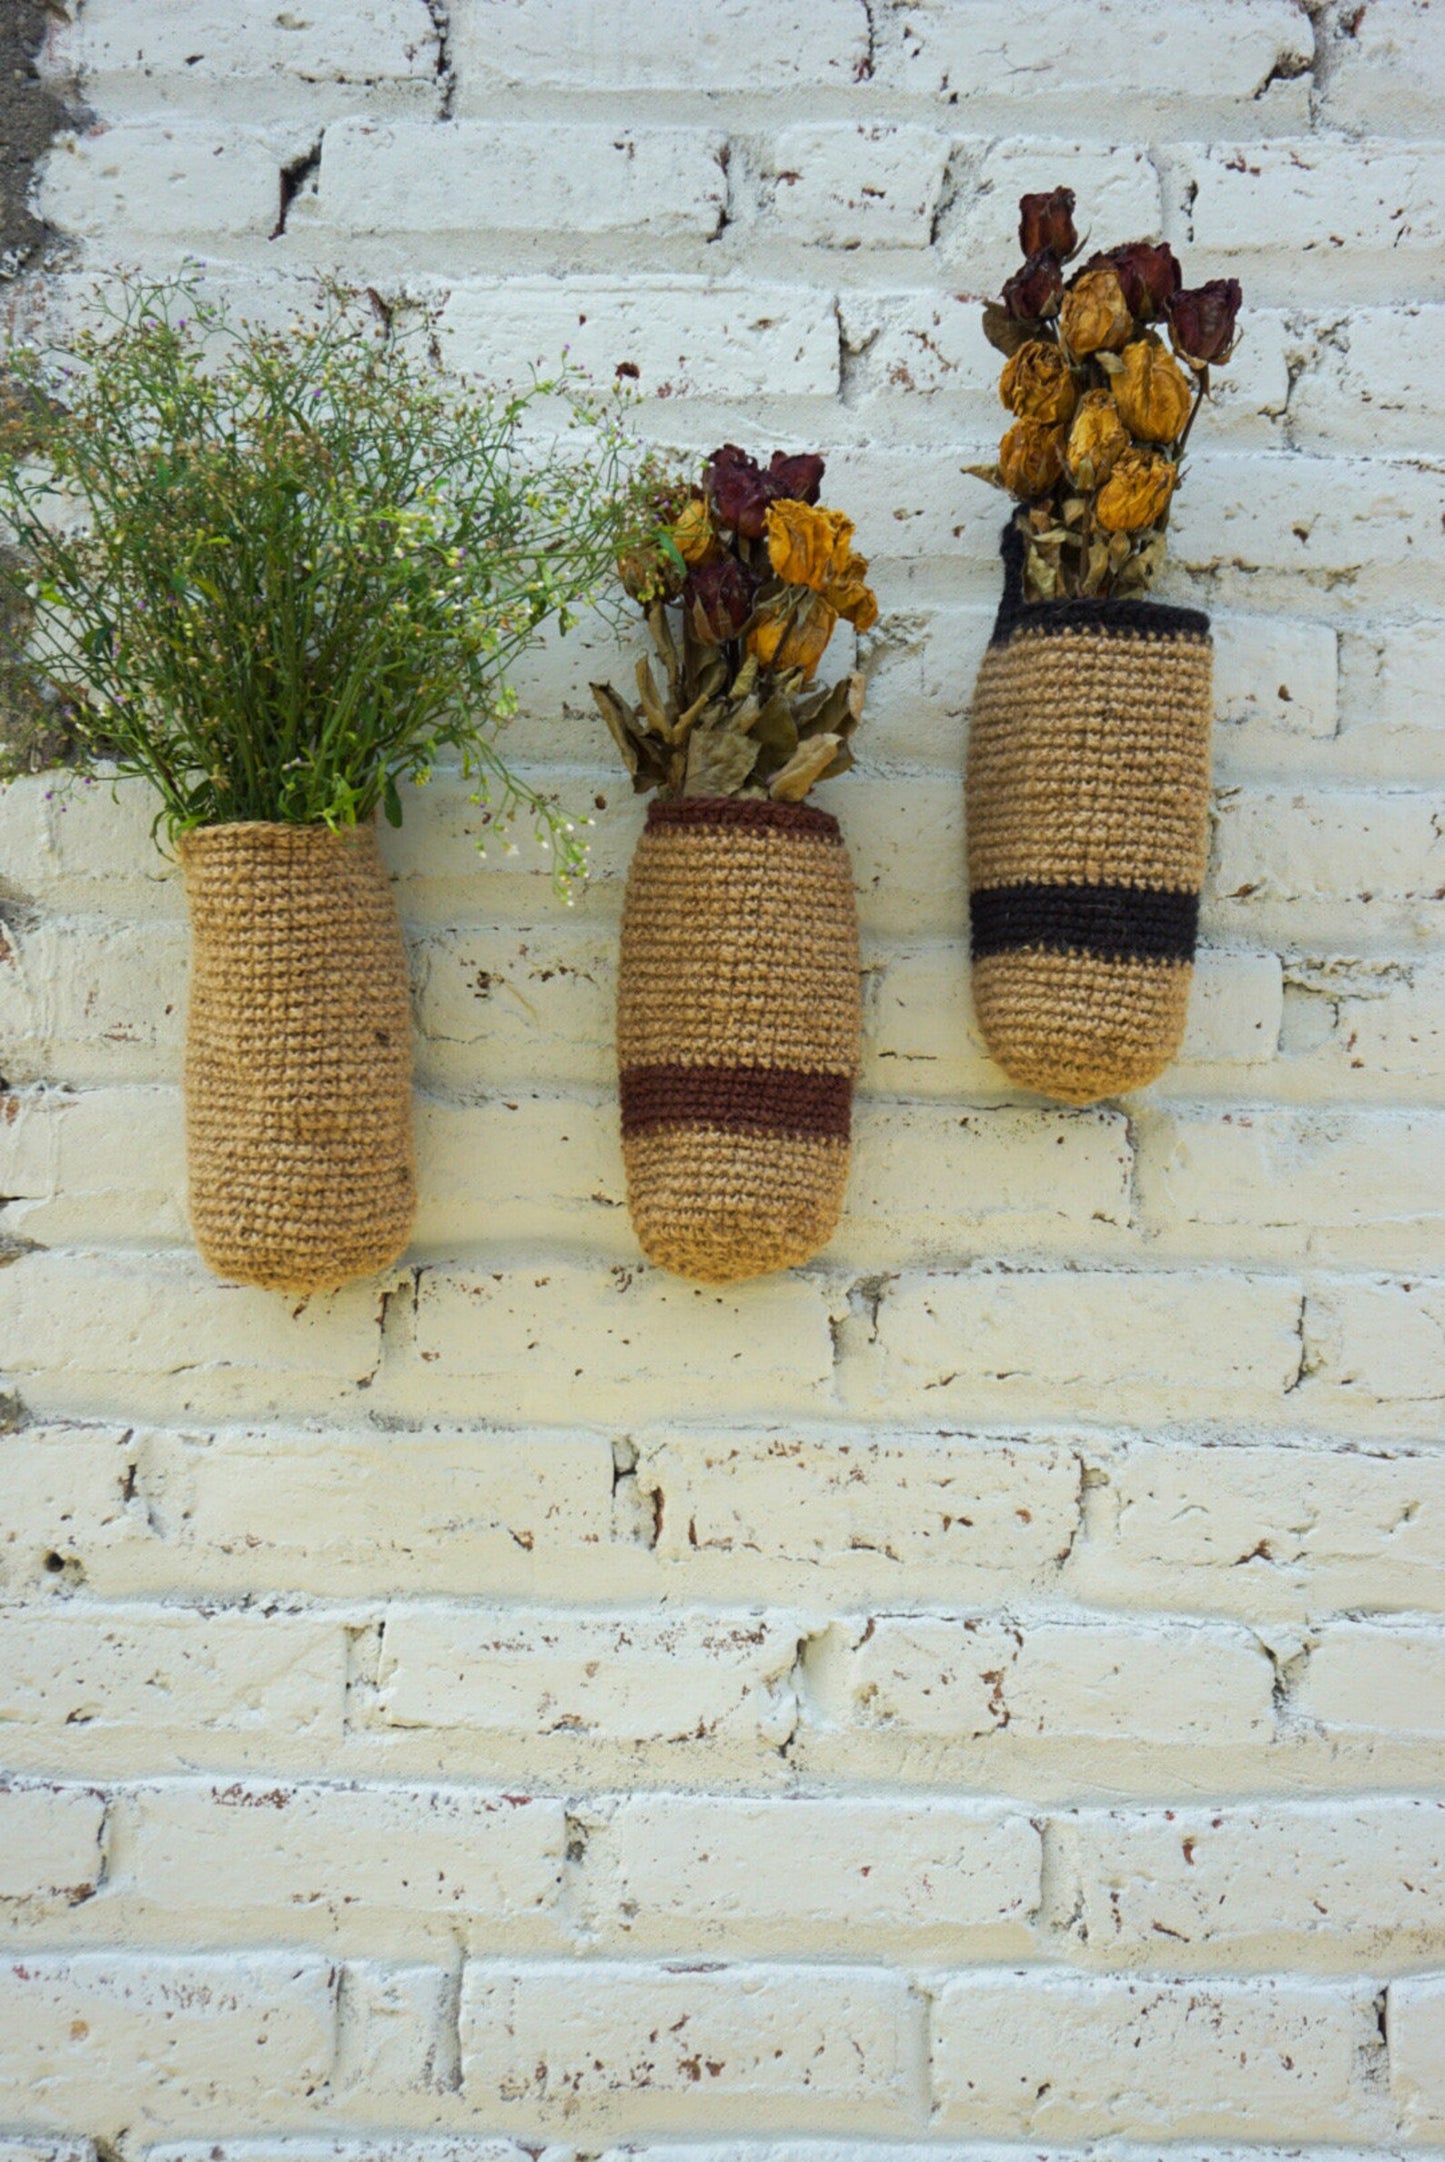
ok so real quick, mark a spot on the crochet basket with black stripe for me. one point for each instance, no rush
(738, 1026)
(1088, 792)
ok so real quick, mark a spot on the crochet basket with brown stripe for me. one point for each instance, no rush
(738, 1010)
(298, 1056)
(1088, 759)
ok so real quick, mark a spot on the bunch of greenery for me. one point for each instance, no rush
(276, 573)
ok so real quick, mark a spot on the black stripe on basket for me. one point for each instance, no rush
(737, 1099)
(1122, 923)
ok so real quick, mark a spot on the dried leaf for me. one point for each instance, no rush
(776, 729)
(719, 760)
(1000, 329)
(651, 699)
(990, 473)
(618, 720)
(665, 643)
(807, 764)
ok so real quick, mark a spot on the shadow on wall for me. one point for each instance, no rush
(30, 114)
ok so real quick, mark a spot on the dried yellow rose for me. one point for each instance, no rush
(1097, 438)
(1038, 383)
(1094, 317)
(1031, 458)
(1151, 390)
(1137, 492)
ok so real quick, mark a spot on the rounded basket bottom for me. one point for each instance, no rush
(308, 1228)
(1080, 1026)
(720, 1207)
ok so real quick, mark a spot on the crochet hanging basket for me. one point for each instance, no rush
(737, 1034)
(298, 1056)
(1088, 793)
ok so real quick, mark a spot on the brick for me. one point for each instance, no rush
(69, 1498)
(1340, 1885)
(533, 1687)
(500, 1004)
(50, 1843)
(150, 2042)
(827, 2048)
(685, 337)
(1303, 516)
(555, 1341)
(1371, 385)
(90, 999)
(1320, 860)
(1051, 1681)
(391, 180)
(1363, 1184)
(1389, 696)
(1076, 56)
(107, 1163)
(1384, 69)
(68, 1321)
(75, 846)
(990, 1338)
(627, 45)
(200, 56)
(1321, 219)
(286, 1855)
(929, 1514)
(867, 186)
(1258, 1529)
(927, 1181)
(1380, 1344)
(166, 182)
(673, 1873)
(1274, 677)
(126, 1681)
(1416, 2025)
(1382, 1679)
(334, 1510)
(1040, 2056)
(1392, 1021)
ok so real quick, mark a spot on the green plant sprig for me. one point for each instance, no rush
(277, 573)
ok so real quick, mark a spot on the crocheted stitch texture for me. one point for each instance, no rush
(738, 1021)
(1088, 792)
(298, 1056)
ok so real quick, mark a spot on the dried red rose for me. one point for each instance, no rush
(1201, 322)
(1047, 221)
(718, 598)
(1036, 290)
(1149, 275)
(741, 491)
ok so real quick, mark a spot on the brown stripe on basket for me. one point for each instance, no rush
(744, 811)
(738, 1099)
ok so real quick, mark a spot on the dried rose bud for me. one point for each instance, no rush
(1031, 458)
(1036, 290)
(1097, 439)
(1151, 390)
(649, 572)
(1137, 492)
(719, 599)
(1038, 383)
(692, 535)
(1047, 221)
(1095, 316)
(795, 479)
(1201, 322)
(1149, 275)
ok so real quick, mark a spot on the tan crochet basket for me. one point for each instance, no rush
(298, 1056)
(1088, 794)
(737, 1034)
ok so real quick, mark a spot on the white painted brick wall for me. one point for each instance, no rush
(989, 1687)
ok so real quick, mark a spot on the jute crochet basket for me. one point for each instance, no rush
(298, 1056)
(737, 1034)
(1088, 791)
